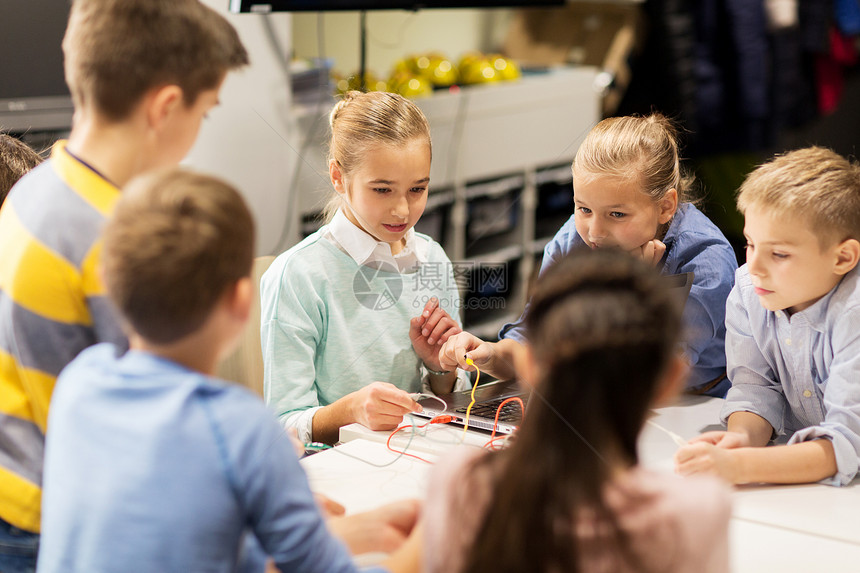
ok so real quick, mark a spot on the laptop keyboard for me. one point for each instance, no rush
(511, 412)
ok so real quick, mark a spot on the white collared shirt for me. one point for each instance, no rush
(365, 250)
(368, 251)
(799, 372)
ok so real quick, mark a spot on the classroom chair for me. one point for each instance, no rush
(245, 365)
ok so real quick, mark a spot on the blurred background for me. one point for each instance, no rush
(510, 88)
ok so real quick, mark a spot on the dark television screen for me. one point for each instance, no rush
(33, 92)
(324, 5)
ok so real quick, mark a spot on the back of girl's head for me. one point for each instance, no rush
(362, 121)
(633, 146)
(602, 328)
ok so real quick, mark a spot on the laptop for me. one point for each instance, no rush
(488, 397)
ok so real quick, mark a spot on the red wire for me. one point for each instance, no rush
(491, 444)
(499, 410)
(403, 427)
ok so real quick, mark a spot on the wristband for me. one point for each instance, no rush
(437, 372)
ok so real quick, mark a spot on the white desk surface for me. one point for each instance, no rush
(774, 528)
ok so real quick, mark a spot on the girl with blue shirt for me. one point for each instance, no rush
(340, 336)
(629, 193)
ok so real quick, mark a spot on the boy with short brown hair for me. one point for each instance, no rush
(184, 463)
(792, 342)
(143, 74)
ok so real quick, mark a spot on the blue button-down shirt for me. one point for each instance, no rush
(800, 373)
(693, 243)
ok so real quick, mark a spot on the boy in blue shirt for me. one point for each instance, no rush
(792, 342)
(151, 463)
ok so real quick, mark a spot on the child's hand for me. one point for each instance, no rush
(651, 252)
(429, 331)
(453, 352)
(328, 507)
(383, 529)
(381, 406)
(725, 440)
(706, 458)
(298, 446)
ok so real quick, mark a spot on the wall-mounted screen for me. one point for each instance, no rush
(326, 5)
(33, 92)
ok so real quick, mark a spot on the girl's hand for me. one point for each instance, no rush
(703, 457)
(381, 406)
(453, 353)
(429, 331)
(651, 252)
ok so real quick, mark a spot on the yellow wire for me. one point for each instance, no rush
(472, 403)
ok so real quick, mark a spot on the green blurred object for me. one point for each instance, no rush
(506, 67)
(440, 71)
(433, 67)
(417, 75)
(410, 85)
(477, 68)
(479, 71)
(372, 83)
(721, 177)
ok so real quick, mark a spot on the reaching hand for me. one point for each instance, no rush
(429, 331)
(381, 406)
(328, 507)
(453, 352)
(383, 529)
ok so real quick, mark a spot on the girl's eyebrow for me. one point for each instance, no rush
(389, 182)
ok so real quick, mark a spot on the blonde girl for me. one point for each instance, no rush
(354, 315)
(630, 193)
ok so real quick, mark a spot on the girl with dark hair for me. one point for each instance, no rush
(568, 495)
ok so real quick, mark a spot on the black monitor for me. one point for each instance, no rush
(264, 6)
(33, 91)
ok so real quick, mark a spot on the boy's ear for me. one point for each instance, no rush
(673, 381)
(240, 298)
(161, 103)
(668, 205)
(847, 256)
(336, 175)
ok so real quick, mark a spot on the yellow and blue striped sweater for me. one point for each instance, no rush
(52, 306)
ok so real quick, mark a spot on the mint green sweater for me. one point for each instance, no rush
(330, 326)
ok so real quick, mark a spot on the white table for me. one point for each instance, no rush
(795, 528)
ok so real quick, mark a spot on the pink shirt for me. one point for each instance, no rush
(674, 524)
